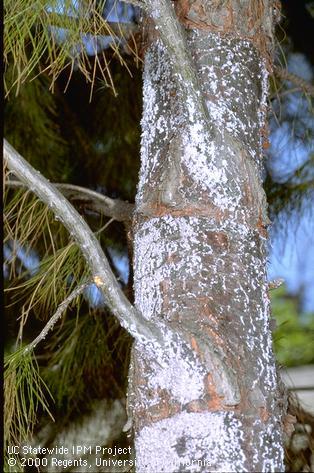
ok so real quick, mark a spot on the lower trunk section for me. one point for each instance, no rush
(197, 442)
(219, 411)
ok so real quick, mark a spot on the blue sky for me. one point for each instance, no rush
(113, 12)
(292, 145)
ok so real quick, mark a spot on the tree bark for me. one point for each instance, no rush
(200, 234)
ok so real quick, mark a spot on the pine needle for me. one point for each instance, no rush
(38, 33)
(24, 393)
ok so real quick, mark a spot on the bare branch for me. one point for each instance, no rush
(297, 80)
(173, 36)
(132, 320)
(118, 209)
(56, 316)
(115, 208)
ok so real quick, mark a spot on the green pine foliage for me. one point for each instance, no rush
(293, 339)
(29, 40)
(85, 357)
(117, 145)
(29, 224)
(289, 193)
(25, 393)
(31, 126)
(83, 353)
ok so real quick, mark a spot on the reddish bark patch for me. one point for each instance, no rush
(261, 227)
(264, 414)
(197, 406)
(182, 8)
(195, 346)
(242, 20)
(164, 289)
(214, 402)
(214, 337)
(163, 409)
(158, 210)
(219, 240)
(206, 311)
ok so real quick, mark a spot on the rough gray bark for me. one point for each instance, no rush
(199, 264)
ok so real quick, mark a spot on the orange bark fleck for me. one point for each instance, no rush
(288, 424)
(214, 336)
(221, 239)
(264, 414)
(194, 345)
(214, 403)
(196, 406)
(261, 226)
(182, 8)
(160, 210)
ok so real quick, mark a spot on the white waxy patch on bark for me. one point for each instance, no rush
(209, 162)
(271, 451)
(177, 377)
(174, 376)
(166, 246)
(157, 125)
(173, 444)
(171, 253)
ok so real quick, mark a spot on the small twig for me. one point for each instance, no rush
(275, 283)
(56, 316)
(289, 91)
(297, 80)
(301, 388)
(101, 229)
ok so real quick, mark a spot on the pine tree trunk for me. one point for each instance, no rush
(200, 264)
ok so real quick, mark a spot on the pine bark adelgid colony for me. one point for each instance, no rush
(209, 399)
(203, 392)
